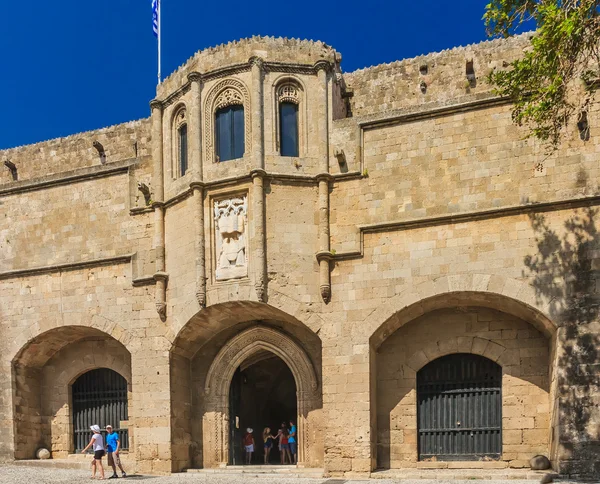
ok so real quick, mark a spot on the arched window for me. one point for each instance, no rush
(288, 126)
(289, 100)
(180, 144)
(229, 132)
(182, 151)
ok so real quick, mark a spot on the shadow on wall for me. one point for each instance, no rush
(564, 271)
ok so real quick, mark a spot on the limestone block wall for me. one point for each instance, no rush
(519, 348)
(61, 155)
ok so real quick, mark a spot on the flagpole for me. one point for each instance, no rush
(159, 36)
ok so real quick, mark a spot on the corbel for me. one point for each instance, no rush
(100, 149)
(13, 169)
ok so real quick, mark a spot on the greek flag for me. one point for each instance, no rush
(155, 17)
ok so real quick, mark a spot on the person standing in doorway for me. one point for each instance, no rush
(284, 447)
(113, 444)
(97, 444)
(293, 442)
(249, 445)
(267, 443)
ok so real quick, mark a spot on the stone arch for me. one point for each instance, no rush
(229, 91)
(462, 344)
(462, 323)
(220, 374)
(198, 337)
(179, 118)
(43, 370)
(502, 293)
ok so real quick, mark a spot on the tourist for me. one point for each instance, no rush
(112, 448)
(293, 443)
(249, 445)
(98, 447)
(284, 447)
(268, 443)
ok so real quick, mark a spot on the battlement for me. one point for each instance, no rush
(271, 49)
(438, 77)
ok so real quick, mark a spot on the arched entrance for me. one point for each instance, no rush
(262, 394)
(44, 371)
(459, 408)
(99, 397)
(255, 342)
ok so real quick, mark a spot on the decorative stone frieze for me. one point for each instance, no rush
(231, 241)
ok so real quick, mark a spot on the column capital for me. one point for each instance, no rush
(322, 65)
(257, 61)
(156, 104)
(195, 77)
(258, 172)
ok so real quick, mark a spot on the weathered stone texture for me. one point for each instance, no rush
(411, 225)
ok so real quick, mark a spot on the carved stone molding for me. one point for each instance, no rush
(288, 92)
(231, 238)
(226, 93)
(229, 97)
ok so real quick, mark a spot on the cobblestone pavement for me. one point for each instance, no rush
(10, 474)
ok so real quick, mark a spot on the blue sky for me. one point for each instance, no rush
(74, 65)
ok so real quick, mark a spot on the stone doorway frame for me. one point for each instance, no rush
(218, 381)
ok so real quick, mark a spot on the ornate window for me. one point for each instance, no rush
(227, 126)
(229, 132)
(288, 100)
(180, 164)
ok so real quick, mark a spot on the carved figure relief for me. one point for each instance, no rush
(231, 241)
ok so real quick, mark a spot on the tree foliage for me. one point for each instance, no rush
(553, 82)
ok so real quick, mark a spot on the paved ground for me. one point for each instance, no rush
(12, 474)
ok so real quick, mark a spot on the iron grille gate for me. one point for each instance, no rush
(459, 409)
(99, 397)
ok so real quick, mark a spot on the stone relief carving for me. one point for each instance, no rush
(231, 241)
(229, 97)
(289, 93)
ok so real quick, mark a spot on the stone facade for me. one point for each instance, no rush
(416, 222)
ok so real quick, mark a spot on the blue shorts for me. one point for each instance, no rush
(293, 447)
(268, 444)
(284, 446)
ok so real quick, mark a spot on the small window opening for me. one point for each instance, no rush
(288, 127)
(183, 149)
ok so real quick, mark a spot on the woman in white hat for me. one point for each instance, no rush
(97, 442)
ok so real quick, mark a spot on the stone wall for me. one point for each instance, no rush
(403, 206)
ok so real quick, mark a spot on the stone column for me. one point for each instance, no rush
(197, 185)
(159, 210)
(258, 214)
(198, 191)
(195, 125)
(258, 174)
(324, 254)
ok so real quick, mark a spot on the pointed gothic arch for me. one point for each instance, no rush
(218, 380)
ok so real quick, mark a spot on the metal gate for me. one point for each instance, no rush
(99, 397)
(459, 409)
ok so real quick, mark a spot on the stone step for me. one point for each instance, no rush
(462, 474)
(72, 461)
(262, 470)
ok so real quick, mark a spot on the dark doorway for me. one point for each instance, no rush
(459, 409)
(262, 394)
(99, 398)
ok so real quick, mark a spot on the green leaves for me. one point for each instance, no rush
(564, 49)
